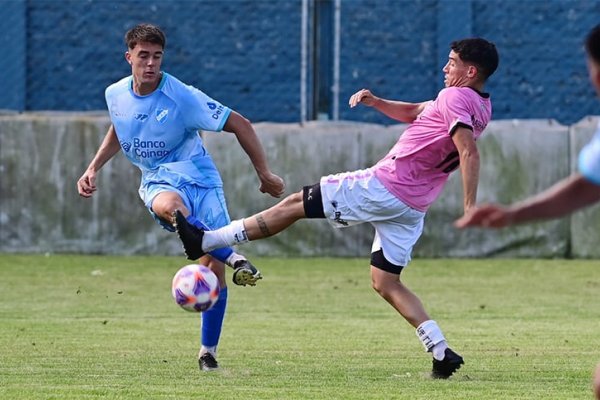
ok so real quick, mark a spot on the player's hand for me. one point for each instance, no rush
(272, 184)
(485, 216)
(363, 96)
(86, 185)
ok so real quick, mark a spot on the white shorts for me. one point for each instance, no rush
(356, 197)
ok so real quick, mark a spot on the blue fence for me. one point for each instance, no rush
(60, 55)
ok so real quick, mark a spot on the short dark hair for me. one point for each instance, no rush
(592, 44)
(480, 52)
(145, 33)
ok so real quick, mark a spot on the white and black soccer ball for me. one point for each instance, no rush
(195, 288)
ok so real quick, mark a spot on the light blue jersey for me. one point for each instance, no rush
(159, 133)
(589, 159)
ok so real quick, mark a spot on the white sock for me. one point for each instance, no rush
(227, 236)
(432, 338)
(233, 258)
(208, 349)
(439, 350)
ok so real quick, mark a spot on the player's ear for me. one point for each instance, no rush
(472, 71)
(128, 57)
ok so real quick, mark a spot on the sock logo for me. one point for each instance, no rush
(241, 237)
(427, 342)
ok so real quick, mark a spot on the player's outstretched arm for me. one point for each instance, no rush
(486, 216)
(246, 136)
(86, 184)
(565, 197)
(398, 110)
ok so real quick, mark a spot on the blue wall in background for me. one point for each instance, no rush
(247, 54)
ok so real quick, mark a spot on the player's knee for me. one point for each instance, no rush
(385, 276)
(292, 204)
(165, 209)
(382, 285)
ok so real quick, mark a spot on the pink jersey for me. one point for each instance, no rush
(417, 167)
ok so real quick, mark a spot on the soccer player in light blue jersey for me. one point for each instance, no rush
(575, 192)
(155, 121)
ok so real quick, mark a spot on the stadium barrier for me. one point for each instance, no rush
(43, 154)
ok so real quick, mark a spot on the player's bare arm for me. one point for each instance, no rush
(246, 136)
(469, 165)
(486, 216)
(565, 197)
(398, 110)
(568, 195)
(86, 185)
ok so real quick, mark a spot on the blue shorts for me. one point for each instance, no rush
(206, 204)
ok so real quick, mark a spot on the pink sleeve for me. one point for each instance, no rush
(454, 109)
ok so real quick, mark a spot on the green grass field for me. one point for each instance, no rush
(91, 327)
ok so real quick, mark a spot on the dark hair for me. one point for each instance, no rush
(145, 33)
(592, 43)
(480, 52)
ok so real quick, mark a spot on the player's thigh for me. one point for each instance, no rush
(397, 237)
(162, 201)
(208, 205)
(351, 198)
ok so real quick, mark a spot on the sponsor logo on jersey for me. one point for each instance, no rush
(216, 108)
(126, 146)
(146, 148)
(477, 124)
(116, 112)
(140, 117)
(161, 115)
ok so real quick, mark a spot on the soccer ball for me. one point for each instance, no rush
(195, 288)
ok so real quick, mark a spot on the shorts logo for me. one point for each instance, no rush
(337, 216)
(161, 115)
(126, 146)
(339, 220)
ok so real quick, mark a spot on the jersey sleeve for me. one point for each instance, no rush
(202, 112)
(453, 106)
(589, 160)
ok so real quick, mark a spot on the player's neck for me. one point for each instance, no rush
(145, 88)
(478, 86)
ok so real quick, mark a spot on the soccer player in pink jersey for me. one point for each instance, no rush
(575, 192)
(394, 194)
